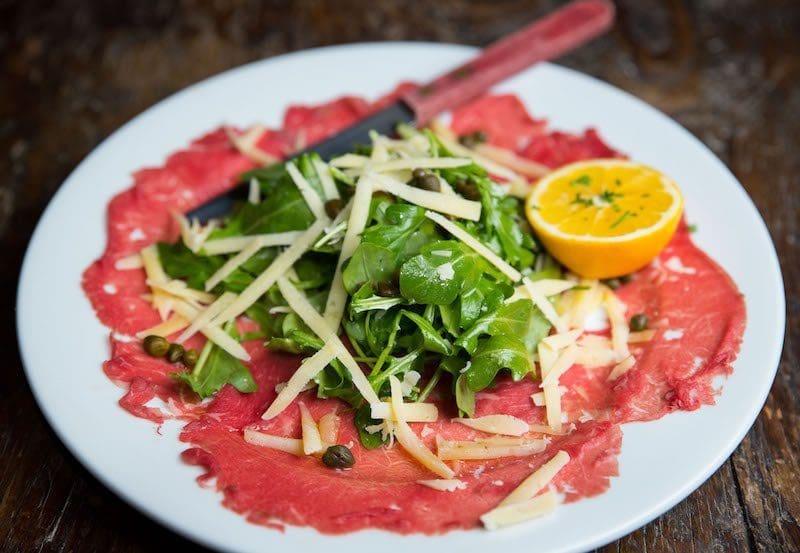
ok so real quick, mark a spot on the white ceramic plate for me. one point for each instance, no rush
(63, 344)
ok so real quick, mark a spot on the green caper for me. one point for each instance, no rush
(333, 207)
(156, 346)
(388, 289)
(338, 457)
(472, 139)
(174, 353)
(429, 182)
(468, 189)
(638, 322)
(418, 173)
(190, 357)
(625, 279)
(613, 283)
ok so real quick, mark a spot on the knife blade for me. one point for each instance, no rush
(551, 36)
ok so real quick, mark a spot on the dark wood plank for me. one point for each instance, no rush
(74, 71)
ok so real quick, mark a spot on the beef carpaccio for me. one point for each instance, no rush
(694, 306)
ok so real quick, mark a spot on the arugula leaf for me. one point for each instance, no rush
(438, 273)
(520, 319)
(465, 397)
(215, 368)
(362, 420)
(370, 263)
(496, 353)
(180, 262)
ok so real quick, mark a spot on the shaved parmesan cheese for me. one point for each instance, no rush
(179, 289)
(507, 158)
(213, 333)
(325, 179)
(337, 297)
(312, 442)
(155, 274)
(442, 485)
(421, 163)
(544, 305)
(591, 357)
(562, 339)
(254, 191)
(308, 369)
(207, 315)
(246, 144)
(130, 262)
(329, 428)
(508, 515)
(238, 243)
(622, 367)
(497, 424)
(538, 399)
(316, 322)
(436, 201)
(289, 445)
(349, 161)
(409, 441)
(543, 429)
(488, 448)
(565, 360)
(473, 243)
(271, 274)
(170, 326)
(306, 190)
(412, 412)
(233, 263)
(547, 286)
(641, 336)
(619, 326)
(552, 403)
(537, 481)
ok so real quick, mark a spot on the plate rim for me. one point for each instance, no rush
(144, 508)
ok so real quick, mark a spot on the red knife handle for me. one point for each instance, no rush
(549, 37)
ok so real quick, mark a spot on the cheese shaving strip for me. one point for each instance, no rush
(179, 289)
(537, 481)
(130, 262)
(253, 191)
(156, 275)
(508, 515)
(509, 159)
(310, 195)
(312, 441)
(213, 333)
(409, 441)
(238, 243)
(436, 201)
(412, 412)
(622, 367)
(496, 424)
(271, 274)
(289, 445)
(233, 263)
(246, 144)
(619, 326)
(544, 305)
(488, 448)
(337, 297)
(170, 326)
(329, 428)
(444, 485)
(308, 369)
(300, 305)
(325, 179)
(205, 317)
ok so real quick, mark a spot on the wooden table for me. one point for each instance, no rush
(72, 73)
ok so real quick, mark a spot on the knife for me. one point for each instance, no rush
(555, 34)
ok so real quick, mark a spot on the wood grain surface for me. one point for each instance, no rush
(71, 72)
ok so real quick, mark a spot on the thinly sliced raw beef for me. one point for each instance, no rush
(691, 301)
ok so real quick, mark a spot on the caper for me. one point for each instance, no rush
(613, 283)
(429, 182)
(638, 322)
(156, 346)
(388, 289)
(625, 279)
(174, 353)
(418, 173)
(333, 207)
(468, 189)
(338, 457)
(190, 357)
(472, 139)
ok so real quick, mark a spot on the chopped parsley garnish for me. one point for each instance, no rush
(583, 180)
(579, 199)
(622, 218)
(608, 196)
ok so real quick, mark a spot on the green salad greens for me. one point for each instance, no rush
(421, 304)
